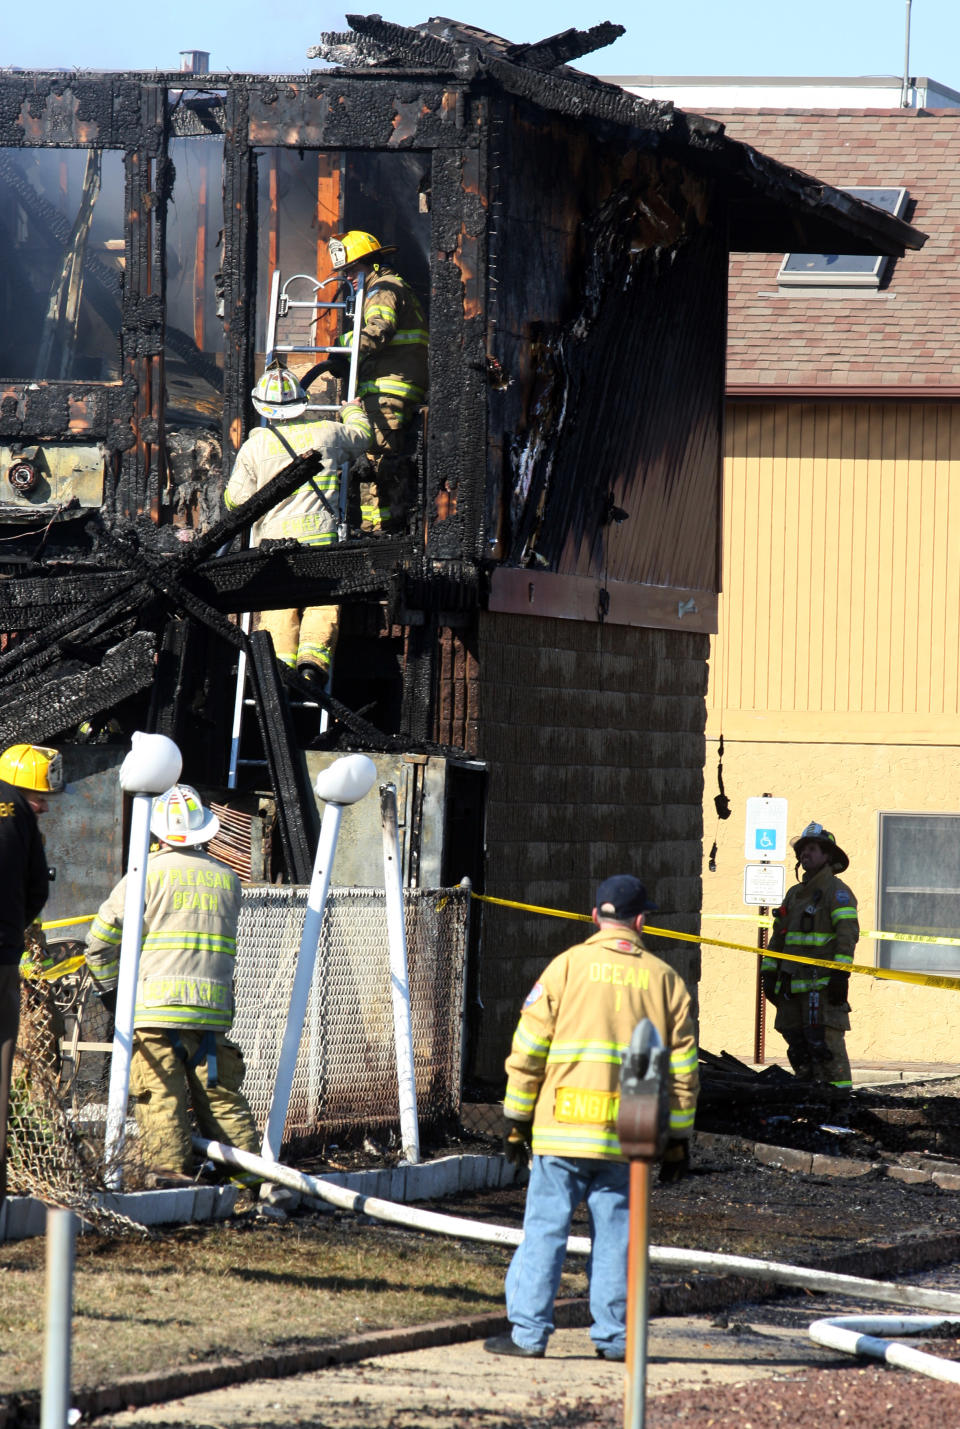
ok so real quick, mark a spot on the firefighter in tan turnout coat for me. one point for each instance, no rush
(563, 1078)
(303, 639)
(181, 1055)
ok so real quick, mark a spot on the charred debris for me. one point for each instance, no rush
(569, 242)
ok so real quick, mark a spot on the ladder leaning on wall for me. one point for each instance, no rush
(283, 305)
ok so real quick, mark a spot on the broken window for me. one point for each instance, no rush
(194, 294)
(61, 264)
(303, 197)
(919, 891)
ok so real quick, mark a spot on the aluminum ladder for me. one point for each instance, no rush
(284, 305)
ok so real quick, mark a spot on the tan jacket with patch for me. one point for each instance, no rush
(301, 516)
(189, 943)
(563, 1071)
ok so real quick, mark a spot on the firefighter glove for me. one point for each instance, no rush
(676, 1162)
(837, 986)
(768, 981)
(517, 1136)
(336, 362)
(108, 996)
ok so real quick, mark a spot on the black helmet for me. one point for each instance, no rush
(817, 834)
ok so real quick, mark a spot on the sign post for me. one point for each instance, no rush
(764, 883)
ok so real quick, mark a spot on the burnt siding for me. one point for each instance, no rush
(607, 317)
(594, 736)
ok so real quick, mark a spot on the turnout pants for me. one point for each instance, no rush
(831, 1067)
(164, 1088)
(303, 637)
(385, 483)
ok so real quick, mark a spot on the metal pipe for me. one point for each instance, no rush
(905, 88)
(302, 980)
(399, 975)
(61, 1244)
(638, 1262)
(127, 988)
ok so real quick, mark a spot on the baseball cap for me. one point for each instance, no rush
(623, 896)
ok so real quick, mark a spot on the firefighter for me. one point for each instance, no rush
(181, 1055)
(818, 919)
(302, 639)
(392, 374)
(29, 775)
(563, 1078)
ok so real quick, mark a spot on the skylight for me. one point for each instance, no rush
(843, 270)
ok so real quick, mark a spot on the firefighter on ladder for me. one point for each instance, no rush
(392, 375)
(303, 639)
(818, 919)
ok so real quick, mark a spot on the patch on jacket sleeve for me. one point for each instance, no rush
(841, 896)
(534, 995)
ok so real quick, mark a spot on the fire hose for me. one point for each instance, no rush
(850, 1334)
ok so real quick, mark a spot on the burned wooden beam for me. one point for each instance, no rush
(297, 813)
(52, 706)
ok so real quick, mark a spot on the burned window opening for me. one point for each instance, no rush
(304, 196)
(62, 256)
(194, 336)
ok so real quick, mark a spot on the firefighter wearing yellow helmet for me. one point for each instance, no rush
(182, 1056)
(29, 774)
(304, 639)
(392, 375)
(818, 919)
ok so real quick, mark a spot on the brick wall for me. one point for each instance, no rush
(594, 739)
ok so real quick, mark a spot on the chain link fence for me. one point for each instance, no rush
(345, 1080)
(346, 1074)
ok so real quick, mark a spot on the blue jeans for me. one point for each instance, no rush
(557, 1186)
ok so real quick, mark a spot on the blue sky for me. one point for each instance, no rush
(710, 37)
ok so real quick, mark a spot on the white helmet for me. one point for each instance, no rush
(278, 395)
(181, 819)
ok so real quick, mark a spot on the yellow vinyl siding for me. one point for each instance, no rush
(841, 575)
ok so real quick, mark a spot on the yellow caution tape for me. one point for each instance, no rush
(69, 922)
(950, 984)
(880, 936)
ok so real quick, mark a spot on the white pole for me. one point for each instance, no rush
(302, 981)
(344, 782)
(399, 978)
(127, 988)
(61, 1242)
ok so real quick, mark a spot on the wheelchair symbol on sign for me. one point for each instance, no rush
(766, 838)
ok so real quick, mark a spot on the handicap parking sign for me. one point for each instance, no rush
(766, 829)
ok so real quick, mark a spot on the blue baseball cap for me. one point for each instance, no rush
(623, 896)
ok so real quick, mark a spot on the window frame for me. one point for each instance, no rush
(845, 278)
(928, 957)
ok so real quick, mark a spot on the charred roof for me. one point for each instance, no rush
(772, 206)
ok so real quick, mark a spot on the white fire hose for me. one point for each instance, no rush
(851, 1334)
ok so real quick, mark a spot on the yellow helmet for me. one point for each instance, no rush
(32, 766)
(347, 248)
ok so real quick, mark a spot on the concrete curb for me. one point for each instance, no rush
(911, 1168)
(24, 1216)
